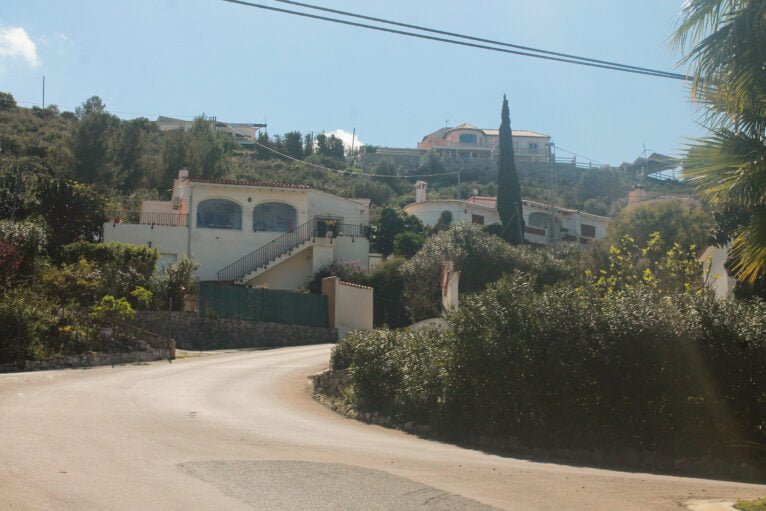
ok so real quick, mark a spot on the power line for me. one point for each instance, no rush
(480, 39)
(580, 155)
(573, 60)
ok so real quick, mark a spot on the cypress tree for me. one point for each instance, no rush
(509, 204)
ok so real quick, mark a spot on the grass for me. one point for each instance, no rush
(751, 505)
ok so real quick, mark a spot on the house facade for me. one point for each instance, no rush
(543, 223)
(469, 142)
(257, 234)
(243, 132)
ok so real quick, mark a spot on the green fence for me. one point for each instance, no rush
(262, 305)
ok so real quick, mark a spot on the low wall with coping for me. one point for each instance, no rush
(200, 333)
(93, 359)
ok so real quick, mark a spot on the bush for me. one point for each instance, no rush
(572, 367)
(407, 244)
(124, 266)
(81, 282)
(481, 258)
(396, 372)
(22, 244)
(388, 282)
(347, 271)
(173, 283)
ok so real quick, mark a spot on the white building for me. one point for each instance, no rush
(714, 271)
(543, 223)
(468, 141)
(257, 234)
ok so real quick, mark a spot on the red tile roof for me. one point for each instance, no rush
(484, 201)
(238, 182)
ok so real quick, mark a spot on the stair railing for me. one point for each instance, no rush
(269, 252)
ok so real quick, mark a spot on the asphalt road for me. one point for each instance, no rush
(240, 431)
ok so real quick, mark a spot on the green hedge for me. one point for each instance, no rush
(569, 368)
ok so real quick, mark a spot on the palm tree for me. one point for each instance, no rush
(724, 42)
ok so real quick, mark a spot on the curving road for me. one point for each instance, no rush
(239, 430)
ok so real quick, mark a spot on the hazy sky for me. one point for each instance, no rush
(187, 57)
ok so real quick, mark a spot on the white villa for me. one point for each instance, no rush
(544, 223)
(256, 234)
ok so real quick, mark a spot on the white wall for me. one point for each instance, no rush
(349, 305)
(168, 240)
(352, 249)
(291, 274)
(429, 212)
(714, 271)
(326, 204)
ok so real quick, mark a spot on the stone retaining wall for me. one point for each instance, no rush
(199, 333)
(92, 359)
(331, 383)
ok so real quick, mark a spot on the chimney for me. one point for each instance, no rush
(420, 191)
(183, 173)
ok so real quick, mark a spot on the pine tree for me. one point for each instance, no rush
(508, 190)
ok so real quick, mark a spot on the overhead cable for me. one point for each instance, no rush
(481, 39)
(571, 60)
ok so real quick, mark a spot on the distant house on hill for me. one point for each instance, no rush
(242, 132)
(544, 224)
(256, 234)
(467, 141)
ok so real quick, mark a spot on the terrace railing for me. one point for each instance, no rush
(148, 218)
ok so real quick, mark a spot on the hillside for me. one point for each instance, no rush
(131, 159)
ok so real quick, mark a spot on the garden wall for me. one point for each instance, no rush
(199, 333)
(94, 359)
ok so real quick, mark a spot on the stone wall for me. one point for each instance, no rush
(199, 333)
(331, 383)
(94, 359)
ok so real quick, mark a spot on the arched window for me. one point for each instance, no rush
(274, 217)
(219, 214)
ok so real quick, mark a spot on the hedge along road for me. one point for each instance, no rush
(239, 430)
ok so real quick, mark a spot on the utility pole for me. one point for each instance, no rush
(553, 195)
(43, 92)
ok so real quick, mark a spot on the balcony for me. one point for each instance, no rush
(147, 218)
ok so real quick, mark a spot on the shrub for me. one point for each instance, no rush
(481, 258)
(22, 326)
(174, 282)
(573, 367)
(81, 282)
(124, 266)
(388, 283)
(407, 244)
(347, 271)
(23, 243)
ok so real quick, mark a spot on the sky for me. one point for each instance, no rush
(182, 58)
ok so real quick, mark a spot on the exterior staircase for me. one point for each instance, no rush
(258, 261)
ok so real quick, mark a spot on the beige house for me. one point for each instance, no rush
(243, 132)
(469, 142)
(257, 234)
(544, 223)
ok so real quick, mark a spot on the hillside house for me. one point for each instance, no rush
(242, 132)
(468, 142)
(544, 223)
(256, 234)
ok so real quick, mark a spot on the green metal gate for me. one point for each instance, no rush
(255, 304)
